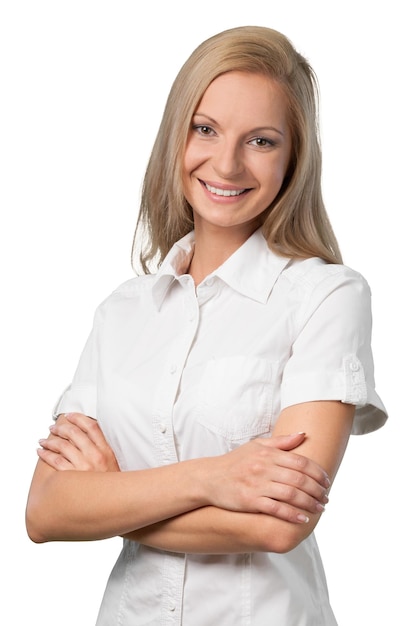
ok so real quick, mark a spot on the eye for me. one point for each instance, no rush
(203, 129)
(262, 142)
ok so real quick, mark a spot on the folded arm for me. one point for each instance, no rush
(254, 498)
(212, 530)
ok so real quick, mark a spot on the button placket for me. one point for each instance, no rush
(168, 385)
(173, 582)
(169, 381)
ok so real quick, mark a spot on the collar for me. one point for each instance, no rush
(175, 263)
(252, 270)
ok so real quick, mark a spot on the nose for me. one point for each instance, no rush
(228, 160)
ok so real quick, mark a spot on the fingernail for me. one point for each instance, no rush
(303, 518)
(320, 507)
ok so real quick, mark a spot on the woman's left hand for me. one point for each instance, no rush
(76, 442)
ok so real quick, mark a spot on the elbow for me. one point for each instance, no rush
(282, 543)
(33, 531)
(285, 542)
(43, 516)
(35, 538)
(38, 518)
(282, 537)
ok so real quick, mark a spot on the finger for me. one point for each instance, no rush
(66, 450)
(288, 442)
(89, 426)
(81, 430)
(302, 483)
(75, 435)
(287, 469)
(290, 495)
(84, 453)
(298, 463)
(53, 459)
(104, 457)
(282, 511)
(285, 485)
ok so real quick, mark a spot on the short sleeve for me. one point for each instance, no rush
(331, 356)
(81, 395)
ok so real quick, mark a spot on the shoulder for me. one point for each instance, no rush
(337, 289)
(134, 287)
(137, 288)
(315, 278)
(310, 273)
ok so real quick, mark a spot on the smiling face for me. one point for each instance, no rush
(237, 153)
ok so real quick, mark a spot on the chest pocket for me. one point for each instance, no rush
(236, 397)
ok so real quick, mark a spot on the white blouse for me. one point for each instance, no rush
(172, 373)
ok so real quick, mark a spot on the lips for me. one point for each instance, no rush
(223, 192)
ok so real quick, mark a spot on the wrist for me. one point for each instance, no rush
(199, 473)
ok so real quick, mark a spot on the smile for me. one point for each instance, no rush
(224, 192)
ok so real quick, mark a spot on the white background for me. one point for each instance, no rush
(83, 85)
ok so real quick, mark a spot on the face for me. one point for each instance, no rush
(237, 152)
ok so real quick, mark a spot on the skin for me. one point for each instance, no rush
(78, 492)
(269, 493)
(237, 142)
(247, 500)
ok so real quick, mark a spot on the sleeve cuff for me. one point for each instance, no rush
(347, 385)
(78, 399)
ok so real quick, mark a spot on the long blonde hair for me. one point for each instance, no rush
(296, 224)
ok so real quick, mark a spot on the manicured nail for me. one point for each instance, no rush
(303, 518)
(320, 507)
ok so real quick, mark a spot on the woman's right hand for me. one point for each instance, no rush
(265, 476)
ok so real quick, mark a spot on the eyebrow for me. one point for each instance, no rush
(259, 129)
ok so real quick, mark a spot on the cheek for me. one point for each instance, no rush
(185, 162)
(188, 166)
(273, 180)
(190, 157)
(196, 153)
(280, 168)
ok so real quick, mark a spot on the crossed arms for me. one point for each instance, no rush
(267, 495)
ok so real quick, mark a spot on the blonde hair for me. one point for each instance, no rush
(296, 224)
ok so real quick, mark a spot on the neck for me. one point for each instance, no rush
(213, 249)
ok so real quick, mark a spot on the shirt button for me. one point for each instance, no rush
(172, 607)
(163, 427)
(354, 366)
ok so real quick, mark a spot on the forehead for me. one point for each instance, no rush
(244, 95)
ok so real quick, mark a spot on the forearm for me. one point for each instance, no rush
(74, 505)
(91, 499)
(210, 530)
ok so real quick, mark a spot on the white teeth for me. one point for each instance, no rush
(224, 192)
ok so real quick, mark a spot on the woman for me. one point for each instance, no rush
(225, 385)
